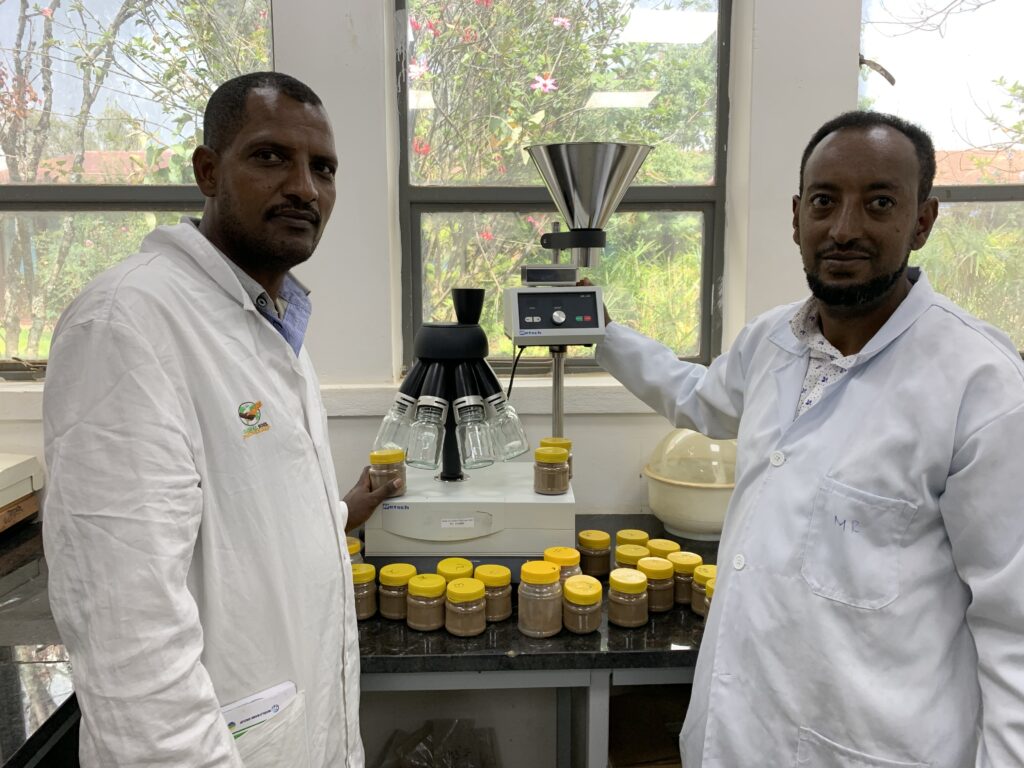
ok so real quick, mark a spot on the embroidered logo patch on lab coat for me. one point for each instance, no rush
(249, 413)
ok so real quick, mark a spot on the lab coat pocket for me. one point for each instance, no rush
(815, 751)
(853, 544)
(280, 741)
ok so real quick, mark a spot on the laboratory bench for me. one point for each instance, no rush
(39, 714)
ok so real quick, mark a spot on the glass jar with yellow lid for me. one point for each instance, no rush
(455, 568)
(595, 553)
(387, 464)
(540, 599)
(497, 580)
(355, 549)
(365, 589)
(627, 555)
(424, 605)
(465, 612)
(662, 547)
(567, 559)
(581, 604)
(550, 471)
(684, 563)
(627, 598)
(394, 588)
(701, 575)
(632, 536)
(661, 592)
(559, 442)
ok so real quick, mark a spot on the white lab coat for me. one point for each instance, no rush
(869, 608)
(192, 566)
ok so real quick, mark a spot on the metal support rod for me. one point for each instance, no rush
(557, 391)
(556, 253)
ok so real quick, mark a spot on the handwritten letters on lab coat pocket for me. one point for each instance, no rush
(853, 545)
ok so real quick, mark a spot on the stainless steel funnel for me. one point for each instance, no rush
(587, 181)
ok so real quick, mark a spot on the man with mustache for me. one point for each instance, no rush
(868, 609)
(196, 543)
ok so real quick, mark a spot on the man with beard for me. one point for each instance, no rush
(868, 608)
(198, 570)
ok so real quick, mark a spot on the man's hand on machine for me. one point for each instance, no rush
(361, 500)
(607, 318)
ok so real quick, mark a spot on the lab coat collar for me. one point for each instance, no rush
(186, 238)
(921, 297)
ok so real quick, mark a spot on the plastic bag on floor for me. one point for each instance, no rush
(441, 744)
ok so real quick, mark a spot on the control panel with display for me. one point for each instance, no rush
(538, 316)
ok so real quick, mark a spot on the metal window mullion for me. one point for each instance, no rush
(99, 197)
(983, 193)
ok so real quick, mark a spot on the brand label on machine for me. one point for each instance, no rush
(458, 522)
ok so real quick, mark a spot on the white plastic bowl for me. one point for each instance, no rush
(690, 479)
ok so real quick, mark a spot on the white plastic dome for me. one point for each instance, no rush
(690, 478)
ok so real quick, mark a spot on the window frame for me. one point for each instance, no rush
(709, 200)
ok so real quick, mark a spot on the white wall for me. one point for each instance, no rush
(794, 65)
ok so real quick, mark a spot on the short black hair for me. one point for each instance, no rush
(225, 111)
(864, 119)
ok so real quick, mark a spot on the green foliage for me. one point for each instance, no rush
(504, 75)
(171, 53)
(651, 270)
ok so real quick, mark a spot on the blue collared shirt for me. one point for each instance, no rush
(289, 314)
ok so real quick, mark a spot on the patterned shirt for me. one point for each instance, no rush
(826, 365)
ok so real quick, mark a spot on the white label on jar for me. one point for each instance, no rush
(458, 522)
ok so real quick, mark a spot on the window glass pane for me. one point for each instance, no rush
(957, 76)
(488, 77)
(975, 256)
(650, 270)
(47, 258)
(112, 91)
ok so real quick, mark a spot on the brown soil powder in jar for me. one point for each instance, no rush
(540, 598)
(465, 619)
(424, 605)
(627, 598)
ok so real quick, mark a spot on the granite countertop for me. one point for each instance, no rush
(35, 673)
(667, 640)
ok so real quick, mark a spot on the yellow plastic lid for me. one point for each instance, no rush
(493, 575)
(710, 587)
(655, 567)
(685, 562)
(702, 573)
(627, 580)
(594, 539)
(562, 556)
(396, 574)
(539, 572)
(465, 590)
(630, 553)
(556, 442)
(362, 573)
(547, 455)
(387, 456)
(353, 544)
(455, 568)
(427, 585)
(632, 536)
(661, 547)
(582, 590)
